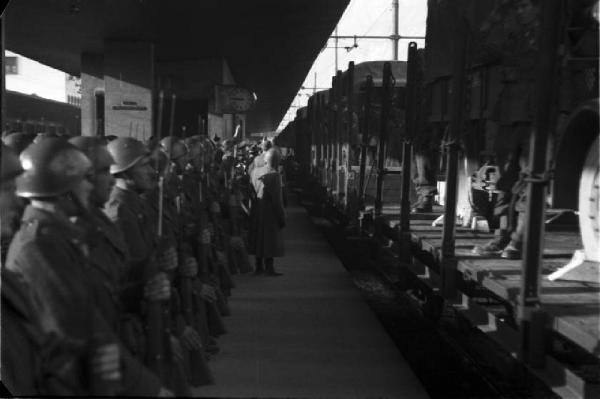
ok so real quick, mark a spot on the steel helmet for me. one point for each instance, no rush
(195, 146)
(161, 162)
(52, 167)
(126, 152)
(43, 136)
(173, 147)
(18, 141)
(95, 149)
(9, 162)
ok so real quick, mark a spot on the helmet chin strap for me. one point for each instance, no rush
(124, 181)
(72, 205)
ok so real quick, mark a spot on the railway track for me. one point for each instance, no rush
(452, 358)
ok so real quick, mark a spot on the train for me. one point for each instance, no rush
(33, 114)
(498, 83)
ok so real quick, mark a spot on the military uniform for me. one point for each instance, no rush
(510, 39)
(45, 241)
(34, 361)
(182, 301)
(108, 260)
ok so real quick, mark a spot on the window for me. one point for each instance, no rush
(11, 65)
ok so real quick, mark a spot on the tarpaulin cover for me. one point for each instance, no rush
(375, 69)
(287, 137)
(302, 112)
(322, 95)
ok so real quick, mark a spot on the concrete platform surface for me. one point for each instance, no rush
(306, 334)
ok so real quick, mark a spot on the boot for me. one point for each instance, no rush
(515, 247)
(423, 205)
(269, 263)
(259, 268)
(494, 247)
(512, 251)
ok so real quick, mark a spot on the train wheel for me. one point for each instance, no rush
(589, 203)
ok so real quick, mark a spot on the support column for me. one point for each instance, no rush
(129, 84)
(92, 95)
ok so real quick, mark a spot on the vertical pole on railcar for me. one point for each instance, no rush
(530, 315)
(321, 131)
(317, 134)
(315, 137)
(339, 134)
(411, 126)
(309, 127)
(331, 136)
(366, 127)
(350, 113)
(333, 101)
(385, 109)
(448, 265)
(3, 77)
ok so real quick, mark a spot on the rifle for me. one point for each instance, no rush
(197, 364)
(216, 326)
(154, 315)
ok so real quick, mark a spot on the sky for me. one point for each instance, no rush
(362, 18)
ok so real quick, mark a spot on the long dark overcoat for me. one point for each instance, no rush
(268, 215)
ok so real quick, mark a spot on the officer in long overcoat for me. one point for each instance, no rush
(266, 238)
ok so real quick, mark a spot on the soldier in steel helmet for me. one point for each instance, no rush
(108, 260)
(183, 191)
(18, 141)
(19, 343)
(187, 325)
(509, 38)
(50, 258)
(151, 257)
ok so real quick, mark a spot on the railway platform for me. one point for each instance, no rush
(307, 333)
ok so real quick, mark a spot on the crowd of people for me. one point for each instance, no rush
(118, 258)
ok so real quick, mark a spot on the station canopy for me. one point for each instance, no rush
(270, 45)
